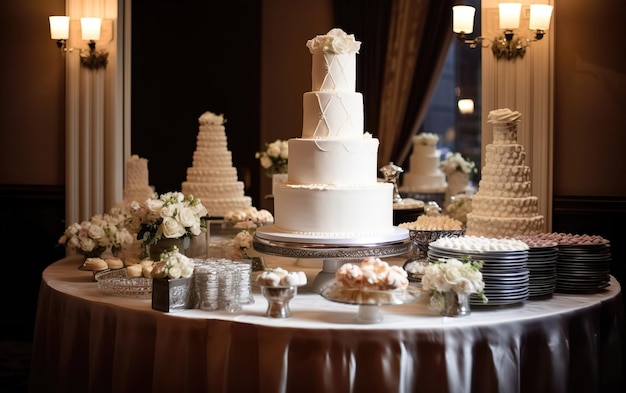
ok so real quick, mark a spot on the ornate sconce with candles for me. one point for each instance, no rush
(91, 58)
(507, 46)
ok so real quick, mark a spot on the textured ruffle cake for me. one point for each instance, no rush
(212, 178)
(503, 205)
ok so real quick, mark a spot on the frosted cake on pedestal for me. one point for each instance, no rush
(332, 189)
(503, 205)
(424, 175)
(212, 178)
(136, 184)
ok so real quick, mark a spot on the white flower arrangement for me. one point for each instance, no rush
(335, 41)
(93, 237)
(451, 274)
(455, 162)
(171, 215)
(240, 245)
(177, 265)
(275, 157)
(426, 139)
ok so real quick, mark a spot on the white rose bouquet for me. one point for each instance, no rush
(445, 275)
(176, 265)
(240, 245)
(275, 157)
(171, 215)
(93, 237)
(455, 162)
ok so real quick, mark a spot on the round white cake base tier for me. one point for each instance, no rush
(268, 232)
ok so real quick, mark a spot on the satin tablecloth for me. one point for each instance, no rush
(87, 341)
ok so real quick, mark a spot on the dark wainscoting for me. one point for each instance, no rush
(595, 215)
(34, 219)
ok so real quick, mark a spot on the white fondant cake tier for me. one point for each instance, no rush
(321, 161)
(334, 211)
(424, 175)
(209, 146)
(332, 115)
(499, 227)
(333, 72)
(505, 207)
(505, 155)
(423, 183)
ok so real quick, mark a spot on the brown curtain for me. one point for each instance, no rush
(401, 81)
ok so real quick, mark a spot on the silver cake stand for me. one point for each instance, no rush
(333, 252)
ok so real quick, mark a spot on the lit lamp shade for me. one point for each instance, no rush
(466, 106)
(509, 15)
(540, 15)
(59, 27)
(463, 19)
(90, 28)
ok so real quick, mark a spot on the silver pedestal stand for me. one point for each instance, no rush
(333, 254)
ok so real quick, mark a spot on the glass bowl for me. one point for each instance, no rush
(115, 282)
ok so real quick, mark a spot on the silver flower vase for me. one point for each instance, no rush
(455, 304)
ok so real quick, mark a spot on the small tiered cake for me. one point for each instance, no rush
(136, 184)
(424, 174)
(503, 205)
(332, 188)
(212, 178)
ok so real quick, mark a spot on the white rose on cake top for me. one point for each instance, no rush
(504, 115)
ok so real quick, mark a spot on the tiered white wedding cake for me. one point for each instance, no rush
(503, 205)
(332, 188)
(424, 174)
(136, 184)
(212, 178)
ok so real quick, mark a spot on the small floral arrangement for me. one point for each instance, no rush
(171, 215)
(94, 236)
(275, 157)
(451, 274)
(426, 139)
(454, 162)
(335, 41)
(175, 265)
(240, 245)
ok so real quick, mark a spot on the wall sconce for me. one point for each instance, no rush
(466, 106)
(508, 45)
(90, 31)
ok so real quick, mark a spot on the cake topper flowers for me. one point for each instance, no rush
(426, 139)
(335, 41)
(274, 159)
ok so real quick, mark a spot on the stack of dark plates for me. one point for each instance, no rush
(505, 273)
(542, 268)
(583, 268)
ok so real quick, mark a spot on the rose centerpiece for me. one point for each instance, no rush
(274, 159)
(102, 232)
(169, 219)
(451, 282)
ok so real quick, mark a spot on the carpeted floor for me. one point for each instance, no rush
(14, 366)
